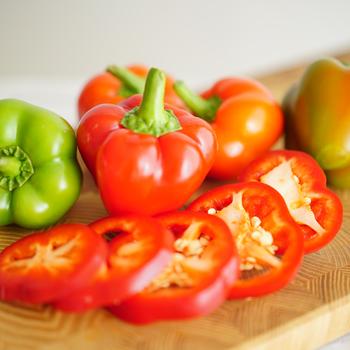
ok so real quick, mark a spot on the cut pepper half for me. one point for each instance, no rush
(302, 184)
(198, 278)
(269, 242)
(140, 249)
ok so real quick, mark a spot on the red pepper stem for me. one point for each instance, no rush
(151, 117)
(132, 81)
(202, 108)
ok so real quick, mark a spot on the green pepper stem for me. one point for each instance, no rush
(15, 167)
(132, 81)
(202, 108)
(10, 166)
(151, 117)
(152, 107)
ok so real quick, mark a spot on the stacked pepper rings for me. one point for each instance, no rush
(148, 158)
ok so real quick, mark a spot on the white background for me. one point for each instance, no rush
(48, 49)
(191, 38)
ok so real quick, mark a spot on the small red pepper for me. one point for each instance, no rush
(302, 183)
(146, 159)
(117, 84)
(269, 242)
(246, 119)
(199, 277)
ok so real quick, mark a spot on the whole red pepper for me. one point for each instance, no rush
(117, 84)
(246, 119)
(146, 159)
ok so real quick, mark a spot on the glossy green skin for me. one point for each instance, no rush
(317, 111)
(50, 143)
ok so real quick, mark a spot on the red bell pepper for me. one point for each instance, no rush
(117, 84)
(44, 266)
(139, 251)
(198, 279)
(269, 242)
(302, 183)
(146, 159)
(246, 119)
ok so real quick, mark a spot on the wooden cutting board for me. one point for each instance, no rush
(313, 310)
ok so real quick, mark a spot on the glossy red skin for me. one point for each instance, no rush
(247, 123)
(328, 208)
(266, 203)
(208, 294)
(114, 282)
(39, 285)
(139, 173)
(233, 87)
(104, 88)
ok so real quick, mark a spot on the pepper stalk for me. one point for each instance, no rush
(151, 117)
(201, 107)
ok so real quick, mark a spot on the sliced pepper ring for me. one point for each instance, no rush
(43, 266)
(198, 279)
(302, 184)
(266, 235)
(138, 252)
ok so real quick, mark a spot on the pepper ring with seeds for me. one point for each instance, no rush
(269, 242)
(197, 280)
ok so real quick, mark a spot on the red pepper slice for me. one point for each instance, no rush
(302, 183)
(45, 266)
(269, 242)
(138, 252)
(196, 282)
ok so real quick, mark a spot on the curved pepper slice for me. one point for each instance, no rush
(302, 184)
(146, 159)
(196, 282)
(317, 111)
(117, 84)
(48, 265)
(40, 178)
(138, 252)
(246, 119)
(269, 242)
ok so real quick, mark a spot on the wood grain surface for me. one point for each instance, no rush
(313, 310)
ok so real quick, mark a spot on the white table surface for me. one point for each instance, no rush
(60, 96)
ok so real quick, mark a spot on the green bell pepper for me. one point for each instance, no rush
(40, 178)
(317, 111)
